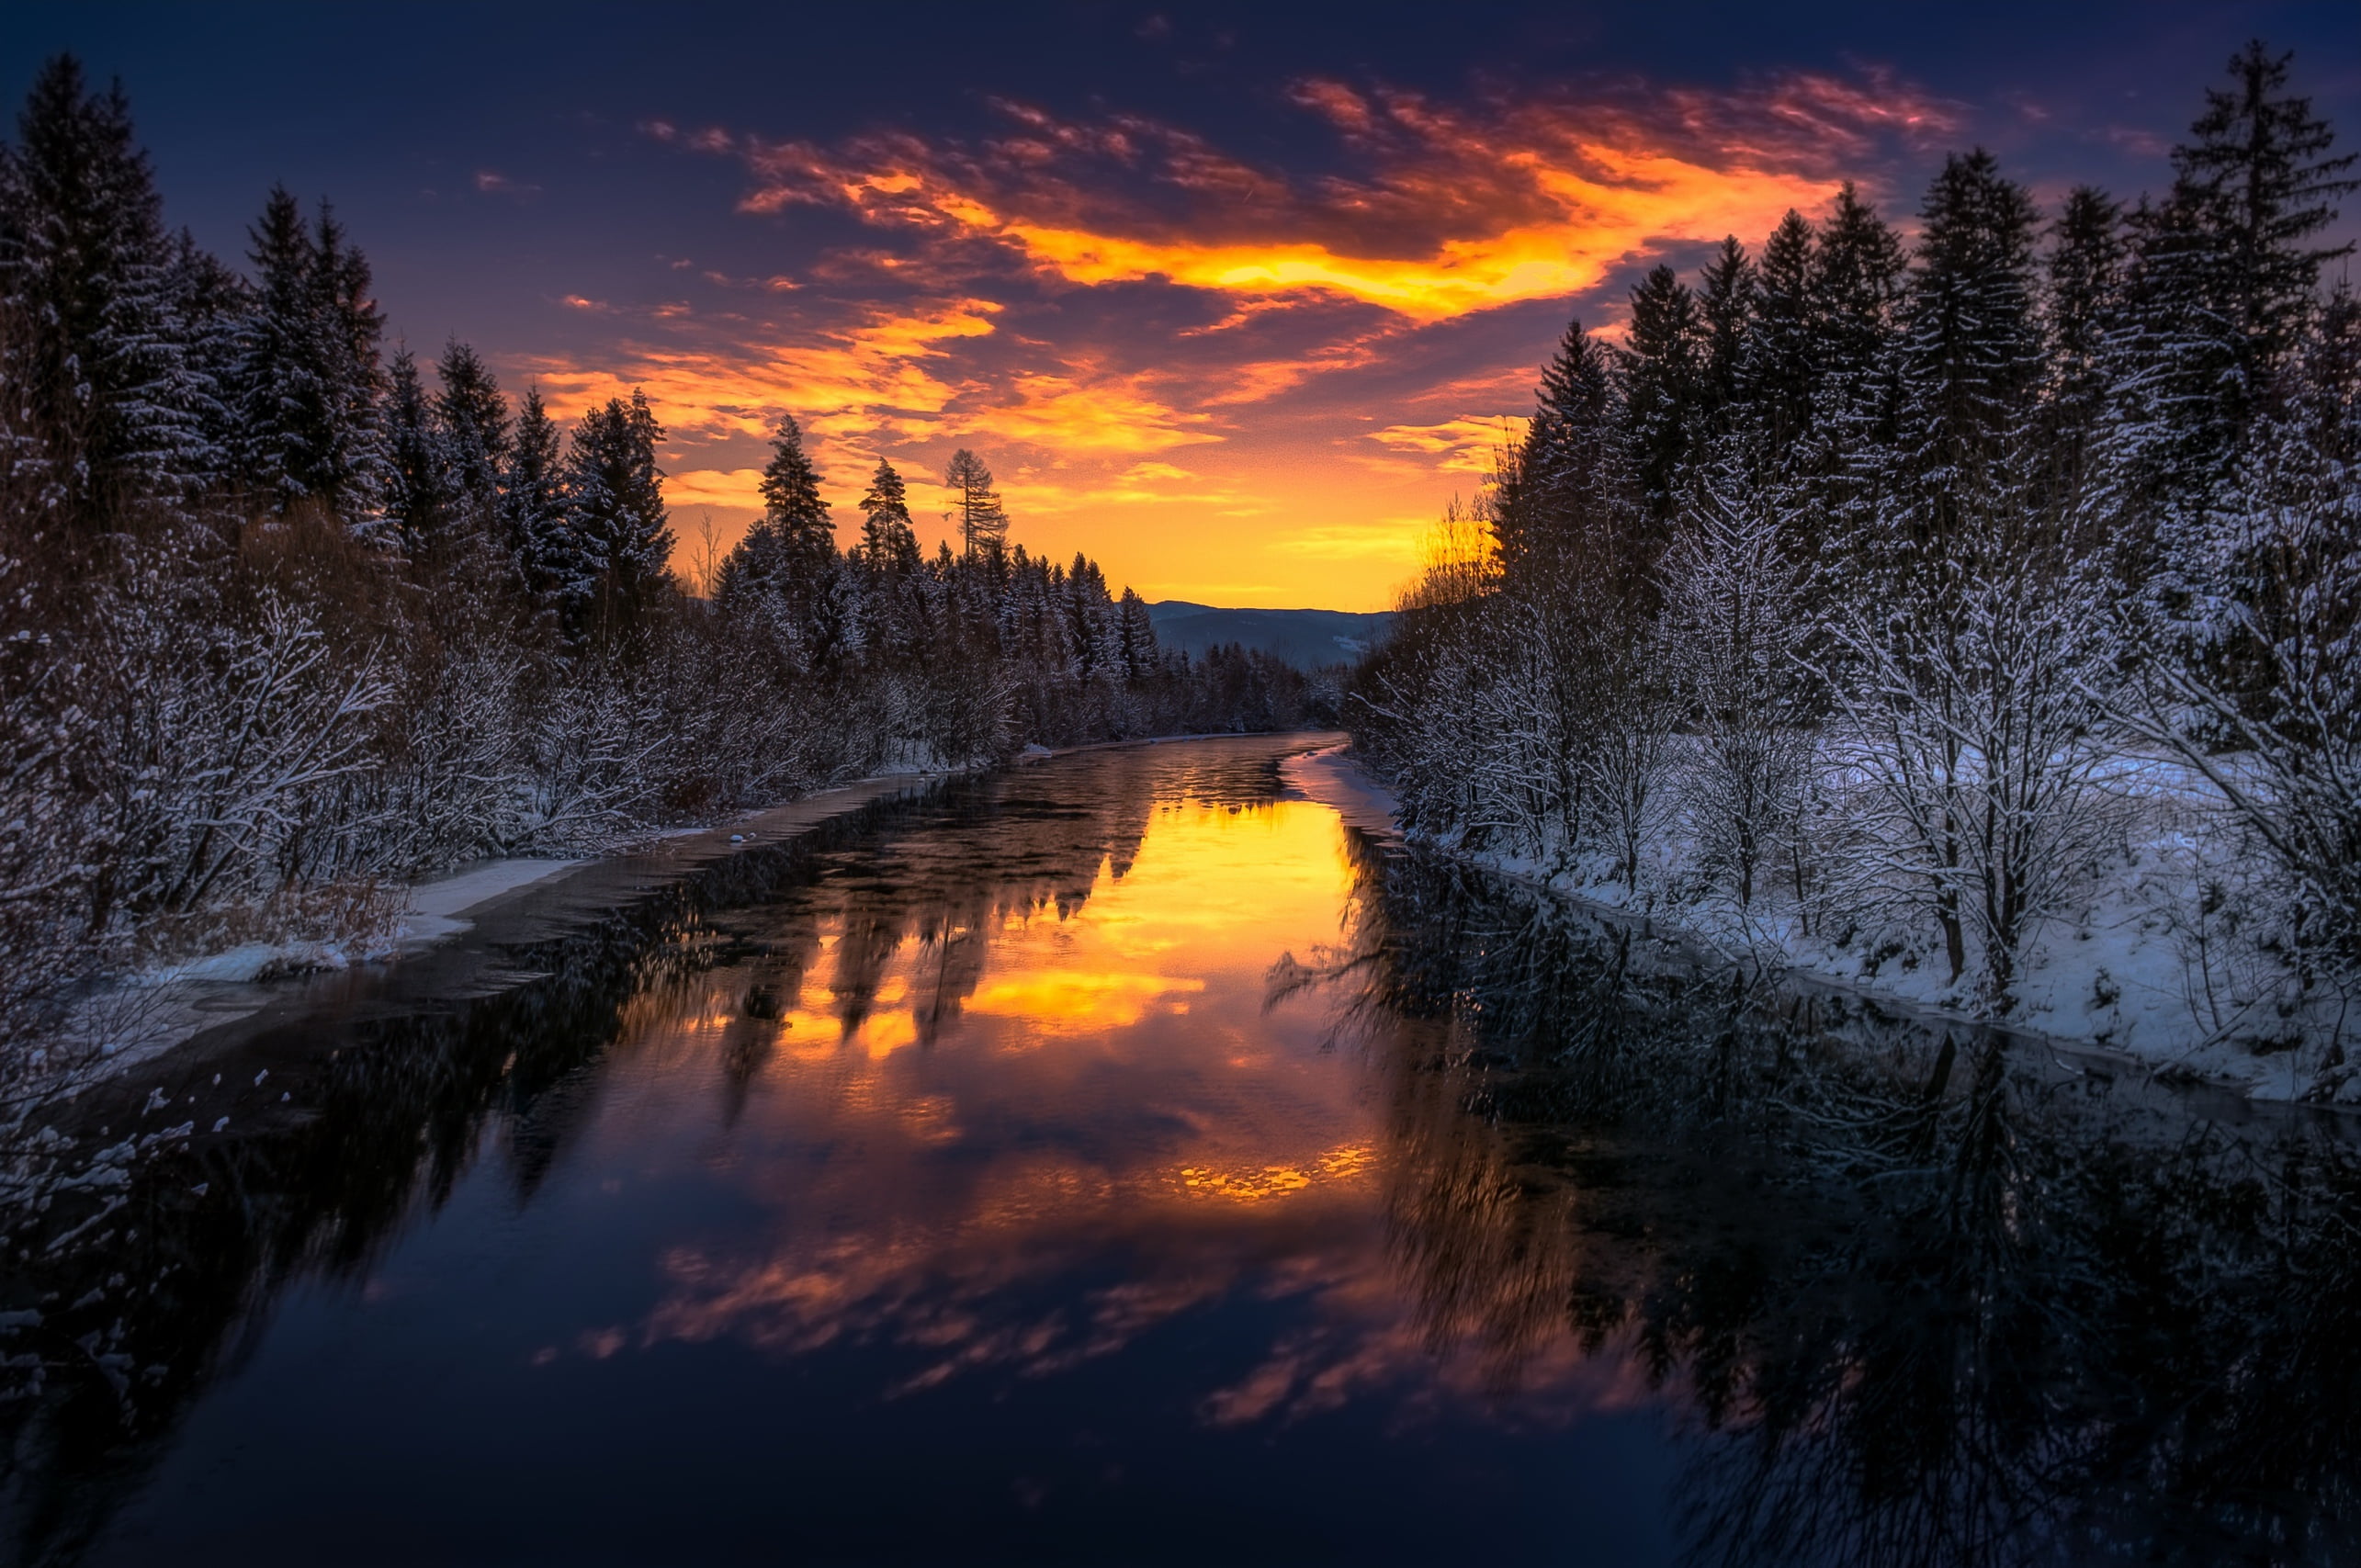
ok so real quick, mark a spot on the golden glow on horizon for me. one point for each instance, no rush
(981, 319)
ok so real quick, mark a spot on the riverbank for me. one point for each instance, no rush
(140, 1018)
(2110, 993)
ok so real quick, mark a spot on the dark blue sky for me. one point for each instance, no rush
(1101, 242)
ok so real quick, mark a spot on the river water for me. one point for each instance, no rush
(1123, 1158)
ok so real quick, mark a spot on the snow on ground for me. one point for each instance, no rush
(1336, 781)
(436, 907)
(2135, 973)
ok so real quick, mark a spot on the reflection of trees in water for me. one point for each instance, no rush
(1925, 1300)
(391, 1112)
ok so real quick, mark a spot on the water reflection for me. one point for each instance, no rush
(1923, 1298)
(1124, 1144)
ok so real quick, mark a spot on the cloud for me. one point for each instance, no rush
(1469, 218)
(490, 182)
(1396, 539)
(737, 490)
(1153, 335)
(874, 373)
(1466, 445)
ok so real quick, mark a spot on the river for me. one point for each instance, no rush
(1123, 1159)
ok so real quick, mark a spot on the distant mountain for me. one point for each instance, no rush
(1305, 638)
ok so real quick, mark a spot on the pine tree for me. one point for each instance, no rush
(1856, 280)
(1137, 632)
(348, 324)
(308, 381)
(2081, 308)
(472, 419)
(106, 414)
(615, 515)
(1566, 507)
(1856, 287)
(888, 543)
(1971, 346)
(2221, 285)
(791, 506)
(417, 499)
(983, 522)
(1658, 371)
(1779, 362)
(2262, 171)
(211, 303)
(1726, 308)
(281, 418)
(534, 518)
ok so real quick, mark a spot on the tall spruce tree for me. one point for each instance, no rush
(349, 326)
(537, 522)
(1855, 282)
(2261, 167)
(106, 416)
(614, 500)
(1566, 505)
(791, 506)
(1779, 362)
(1725, 309)
(2222, 283)
(2082, 306)
(888, 543)
(417, 499)
(1971, 346)
(473, 419)
(1659, 372)
(309, 380)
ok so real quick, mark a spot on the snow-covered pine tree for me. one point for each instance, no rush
(107, 415)
(1725, 309)
(471, 418)
(1657, 372)
(1854, 294)
(416, 499)
(1568, 498)
(279, 400)
(534, 518)
(793, 507)
(309, 380)
(345, 315)
(1971, 346)
(614, 501)
(1778, 365)
(2263, 169)
(211, 302)
(2081, 304)
(1137, 631)
(2221, 284)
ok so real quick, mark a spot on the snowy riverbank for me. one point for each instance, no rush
(2130, 977)
(140, 1017)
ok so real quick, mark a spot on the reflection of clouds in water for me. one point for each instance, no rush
(1066, 1113)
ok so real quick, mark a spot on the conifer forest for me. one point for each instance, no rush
(1082, 781)
(1975, 612)
(293, 621)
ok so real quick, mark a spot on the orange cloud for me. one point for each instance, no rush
(1466, 445)
(1096, 303)
(1586, 206)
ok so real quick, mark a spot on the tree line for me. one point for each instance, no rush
(287, 621)
(1895, 602)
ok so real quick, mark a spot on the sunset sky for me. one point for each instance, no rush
(1235, 297)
